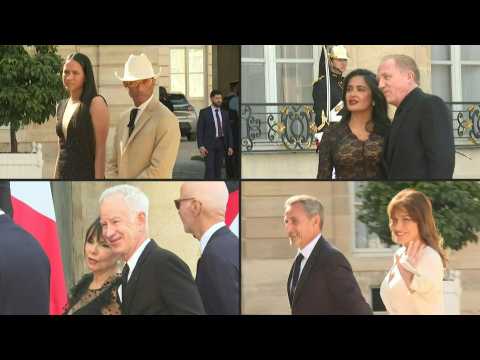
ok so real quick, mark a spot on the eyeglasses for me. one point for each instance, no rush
(178, 201)
(135, 83)
(128, 84)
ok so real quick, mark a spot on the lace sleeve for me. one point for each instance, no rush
(112, 307)
(325, 161)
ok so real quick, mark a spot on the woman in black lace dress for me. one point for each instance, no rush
(82, 124)
(354, 146)
(96, 292)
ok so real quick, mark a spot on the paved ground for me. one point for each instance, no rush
(189, 164)
(185, 167)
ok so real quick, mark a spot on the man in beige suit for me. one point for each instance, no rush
(148, 135)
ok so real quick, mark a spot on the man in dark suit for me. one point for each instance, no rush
(231, 104)
(202, 207)
(420, 144)
(154, 280)
(214, 136)
(321, 280)
(24, 268)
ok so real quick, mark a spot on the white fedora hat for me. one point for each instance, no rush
(137, 67)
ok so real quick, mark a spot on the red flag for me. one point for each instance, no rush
(33, 211)
(232, 216)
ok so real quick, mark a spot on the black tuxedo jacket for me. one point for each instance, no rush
(24, 272)
(327, 285)
(218, 274)
(206, 129)
(420, 145)
(161, 284)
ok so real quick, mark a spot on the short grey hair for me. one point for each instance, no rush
(136, 199)
(405, 62)
(310, 204)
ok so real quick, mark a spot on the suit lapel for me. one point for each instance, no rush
(288, 286)
(399, 122)
(124, 135)
(133, 281)
(146, 115)
(142, 120)
(307, 268)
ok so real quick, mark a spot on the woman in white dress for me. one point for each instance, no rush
(414, 284)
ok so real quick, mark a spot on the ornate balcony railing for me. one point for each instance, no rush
(466, 123)
(291, 126)
(278, 127)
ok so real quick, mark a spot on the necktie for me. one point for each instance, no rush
(125, 272)
(131, 123)
(219, 124)
(296, 272)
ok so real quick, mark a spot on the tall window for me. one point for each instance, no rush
(253, 74)
(187, 71)
(278, 73)
(456, 72)
(294, 72)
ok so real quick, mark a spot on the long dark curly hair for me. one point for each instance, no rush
(381, 122)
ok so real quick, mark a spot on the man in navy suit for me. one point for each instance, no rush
(202, 207)
(214, 136)
(24, 268)
(321, 280)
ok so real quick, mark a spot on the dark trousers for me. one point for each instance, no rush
(213, 163)
(232, 165)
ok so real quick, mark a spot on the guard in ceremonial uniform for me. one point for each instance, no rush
(338, 64)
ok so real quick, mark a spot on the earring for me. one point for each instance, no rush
(373, 103)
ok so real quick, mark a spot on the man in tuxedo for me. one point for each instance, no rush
(202, 207)
(420, 144)
(154, 280)
(321, 280)
(147, 138)
(24, 267)
(214, 136)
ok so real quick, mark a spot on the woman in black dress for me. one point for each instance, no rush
(96, 292)
(82, 123)
(354, 146)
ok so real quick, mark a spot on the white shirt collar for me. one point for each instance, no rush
(2, 212)
(132, 262)
(208, 234)
(307, 250)
(142, 107)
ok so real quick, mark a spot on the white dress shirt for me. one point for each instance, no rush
(208, 234)
(306, 252)
(2, 212)
(425, 296)
(215, 119)
(141, 108)
(132, 262)
(70, 109)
